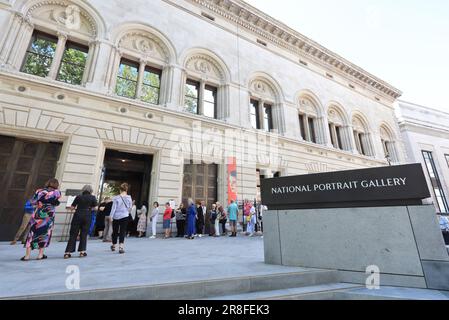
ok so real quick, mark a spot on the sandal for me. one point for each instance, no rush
(24, 259)
(43, 257)
(83, 254)
(67, 256)
(112, 248)
(121, 251)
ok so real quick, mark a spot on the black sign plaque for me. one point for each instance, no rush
(374, 187)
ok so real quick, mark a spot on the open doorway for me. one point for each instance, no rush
(134, 169)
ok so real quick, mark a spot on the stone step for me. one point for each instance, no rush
(392, 293)
(319, 292)
(201, 289)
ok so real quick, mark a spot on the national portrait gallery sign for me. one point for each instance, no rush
(383, 186)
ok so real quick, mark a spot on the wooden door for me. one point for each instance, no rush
(200, 183)
(24, 167)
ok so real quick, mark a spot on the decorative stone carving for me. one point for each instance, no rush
(308, 107)
(144, 45)
(263, 89)
(358, 125)
(65, 15)
(317, 167)
(205, 66)
(335, 116)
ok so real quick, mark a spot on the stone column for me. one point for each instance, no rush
(350, 144)
(166, 85)
(111, 77)
(21, 44)
(60, 48)
(201, 97)
(10, 37)
(324, 133)
(92, 61)
(223, 105)
(140, 76)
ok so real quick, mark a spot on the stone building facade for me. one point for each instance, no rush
(175, 91)
(425, 133)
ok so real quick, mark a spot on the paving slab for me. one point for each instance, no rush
(146, 262)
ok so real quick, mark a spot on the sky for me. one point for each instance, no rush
(403, 42)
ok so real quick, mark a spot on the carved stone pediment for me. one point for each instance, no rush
(358, 124)
(205, 66)
(144, 45)
(308, 107)
(65, 15)
(263, 89)
(335, 116)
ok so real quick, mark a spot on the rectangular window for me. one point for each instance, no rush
(210, 102)
(436, 182)
(254, 114)
(339, 140)
(192, 96)
(73, 64)
(302, 127)
(312, 134)
(268, 118)
(40, 54)
(331, 131)
(151, 85)
(127, 79)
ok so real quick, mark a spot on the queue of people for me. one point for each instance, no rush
(117, 218)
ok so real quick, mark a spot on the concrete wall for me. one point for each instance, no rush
(405, 243)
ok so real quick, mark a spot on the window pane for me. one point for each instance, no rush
(435, 181)
(339, 140)
(72, 65)
(302, 129)
(267, 118)
(40, 55)
(312, 130)
(210, 102)
(191, 105)
(191, 97)
(150, 94)
(127, 80)
(126, 88)
(254, 114)
(152, 78)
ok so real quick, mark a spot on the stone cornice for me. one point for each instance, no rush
(274, 31)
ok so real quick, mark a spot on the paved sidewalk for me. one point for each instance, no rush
(146, 262)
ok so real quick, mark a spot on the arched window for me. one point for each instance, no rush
(362, 136)
(311, 120)
(389, 144)
(139, 65)
(55, 40)
(206, 90)
(338, 128)
(264, 105)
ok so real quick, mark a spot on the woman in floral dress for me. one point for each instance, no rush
(45, 202)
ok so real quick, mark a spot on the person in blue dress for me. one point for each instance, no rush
(191, 220)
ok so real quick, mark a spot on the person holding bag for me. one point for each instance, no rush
(121, 208)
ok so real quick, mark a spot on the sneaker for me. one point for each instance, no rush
(13, 243)
(153, 237)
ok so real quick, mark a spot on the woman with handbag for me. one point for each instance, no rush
(43, 220)
(121, 208)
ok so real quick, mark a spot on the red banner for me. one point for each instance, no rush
(232, 179)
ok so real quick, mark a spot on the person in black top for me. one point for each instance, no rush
(84, 204)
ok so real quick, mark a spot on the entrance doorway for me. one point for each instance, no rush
(25, 166)
(200, 183)
(134, 169)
